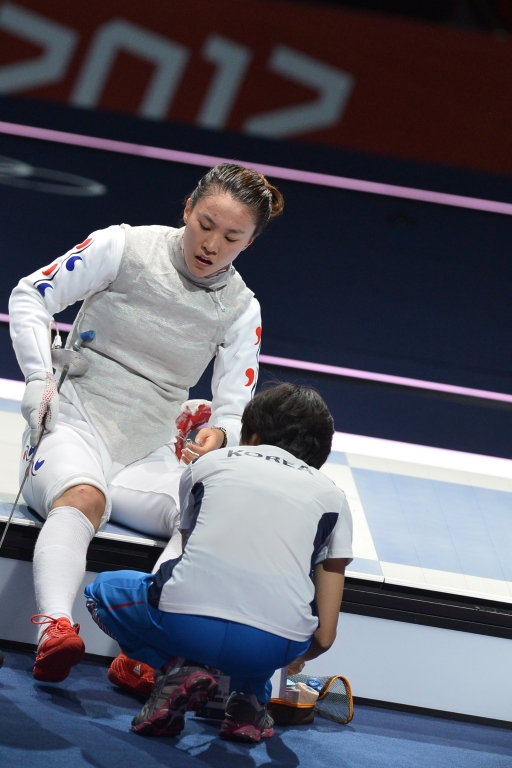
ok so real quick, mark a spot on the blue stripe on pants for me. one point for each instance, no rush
(119, 604)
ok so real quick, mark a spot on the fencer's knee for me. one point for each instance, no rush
(88, 499)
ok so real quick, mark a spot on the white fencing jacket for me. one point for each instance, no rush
(156, 332)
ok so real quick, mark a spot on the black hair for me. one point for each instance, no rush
(247, 187)
(292, 417)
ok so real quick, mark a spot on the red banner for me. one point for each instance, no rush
(274, 70)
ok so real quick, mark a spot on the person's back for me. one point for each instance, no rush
(259, 585)
(257, 519)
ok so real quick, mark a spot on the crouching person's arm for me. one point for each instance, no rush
(329, 580)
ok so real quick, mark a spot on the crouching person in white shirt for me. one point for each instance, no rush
(259, 585)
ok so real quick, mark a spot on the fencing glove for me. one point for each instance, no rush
(40, 398)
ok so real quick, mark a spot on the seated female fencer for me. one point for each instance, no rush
(163, 302)
(267, 536)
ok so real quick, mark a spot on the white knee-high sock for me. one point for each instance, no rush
(59, 560)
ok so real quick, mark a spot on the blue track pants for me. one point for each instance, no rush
(119, 604)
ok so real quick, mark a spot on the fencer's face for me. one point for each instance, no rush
(217, 229)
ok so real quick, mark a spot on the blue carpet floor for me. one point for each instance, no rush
(84, 722)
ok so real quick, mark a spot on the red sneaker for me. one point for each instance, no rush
(133, 676)
(59, 649)
(194, 414)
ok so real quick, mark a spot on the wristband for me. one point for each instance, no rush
(225, 441)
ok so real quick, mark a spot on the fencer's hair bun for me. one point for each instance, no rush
(277, 199)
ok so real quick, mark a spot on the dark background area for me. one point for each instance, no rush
(344, 278)
(487, 15)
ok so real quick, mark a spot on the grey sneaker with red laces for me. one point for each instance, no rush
(180, 687)
(246, 719)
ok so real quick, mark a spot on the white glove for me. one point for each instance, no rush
(40, 398)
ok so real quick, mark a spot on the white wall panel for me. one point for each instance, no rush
(421, 666)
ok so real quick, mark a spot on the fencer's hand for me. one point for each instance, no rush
(41, 398)
(296, 666)
(207, 440)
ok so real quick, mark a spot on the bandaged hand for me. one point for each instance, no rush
(207, 439)
(41, 398)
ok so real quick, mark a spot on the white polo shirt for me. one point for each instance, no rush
(258, 520)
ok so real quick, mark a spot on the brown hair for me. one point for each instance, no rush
(247, 187)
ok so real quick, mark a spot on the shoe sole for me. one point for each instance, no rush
(141, 687)
(192, 694)
(56, 665)
(245, 732)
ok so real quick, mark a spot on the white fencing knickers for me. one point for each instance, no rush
(143, 495)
